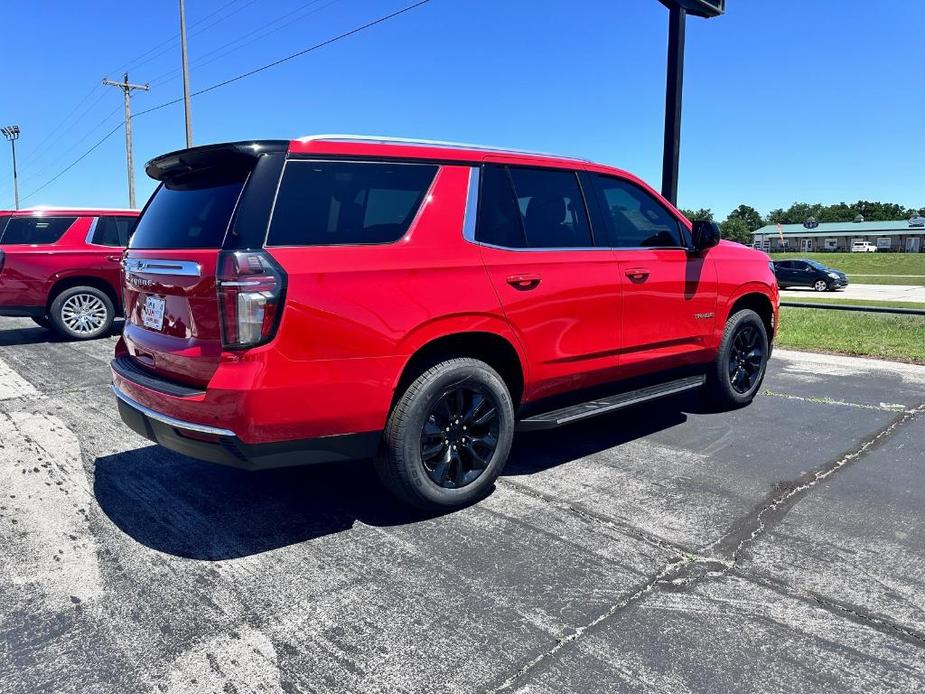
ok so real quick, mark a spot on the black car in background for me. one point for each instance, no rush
(809, 273)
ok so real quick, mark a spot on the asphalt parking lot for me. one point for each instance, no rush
(776, 548)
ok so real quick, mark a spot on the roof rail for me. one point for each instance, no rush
(415, 142)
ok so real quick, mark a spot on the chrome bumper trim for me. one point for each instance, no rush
(169, 421)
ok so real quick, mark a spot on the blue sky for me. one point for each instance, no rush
(810, 101)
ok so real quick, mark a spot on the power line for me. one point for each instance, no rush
(291, 56)
(173, 39)
(75, 162)
(75, 144)
(48, 141)
(231, 80)
(240, 42)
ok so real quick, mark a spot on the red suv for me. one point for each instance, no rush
(61, 267)
(340, 297)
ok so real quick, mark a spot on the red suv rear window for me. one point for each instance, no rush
(22, 231)
(194, 213)
(335, 203)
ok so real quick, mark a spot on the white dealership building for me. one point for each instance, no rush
(903, 236)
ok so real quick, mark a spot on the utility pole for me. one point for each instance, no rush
(187, 112)
(127, 92)
(11, 133)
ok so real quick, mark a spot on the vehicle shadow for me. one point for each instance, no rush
(26, 332)
(197, 510)
(541, 450)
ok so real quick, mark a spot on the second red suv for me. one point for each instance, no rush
(344, 297)
(60, 266)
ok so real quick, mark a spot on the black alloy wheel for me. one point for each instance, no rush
(746, 358)
(460, 436)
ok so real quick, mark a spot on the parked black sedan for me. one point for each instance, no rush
(809, 273)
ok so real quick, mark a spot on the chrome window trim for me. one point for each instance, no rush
(169, 421)
(472, 204)
(150, 266)
(584, 248)
(91, 232)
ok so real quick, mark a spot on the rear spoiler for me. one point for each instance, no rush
(229, 154)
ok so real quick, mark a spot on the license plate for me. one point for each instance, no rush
(152, 316)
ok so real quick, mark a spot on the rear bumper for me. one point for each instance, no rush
(217, 445)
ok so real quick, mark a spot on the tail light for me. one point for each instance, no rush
(250, 295)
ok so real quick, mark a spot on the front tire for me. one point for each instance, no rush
(82, 313)
(740, 365)
(820, 286)
(448, 436)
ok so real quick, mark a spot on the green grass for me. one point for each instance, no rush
(882, 267)
(900, 338)
(814, 299)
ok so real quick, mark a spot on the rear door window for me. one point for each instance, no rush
(35, 230)
(112, 231)
(636, 219)
(552, 208)
(193, 212)
(335, 203)
(532, 208)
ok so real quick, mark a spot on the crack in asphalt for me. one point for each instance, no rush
(686, 568)
(563, 641)
(600, 519)
(852, 612)
(793, 492)
(820, 400)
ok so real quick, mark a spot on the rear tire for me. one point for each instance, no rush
(448, 436)
(736, 375)
(82, 313)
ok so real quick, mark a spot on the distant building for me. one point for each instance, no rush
(904, 236)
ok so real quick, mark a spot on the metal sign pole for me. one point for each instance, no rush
(674, 85)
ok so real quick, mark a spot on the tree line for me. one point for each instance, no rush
(744, 219)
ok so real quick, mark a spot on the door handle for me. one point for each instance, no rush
(113, 258)
(524, 282)
(637, 274)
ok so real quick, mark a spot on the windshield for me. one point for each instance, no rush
(818, 265)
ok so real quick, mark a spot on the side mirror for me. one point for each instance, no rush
(704, 235)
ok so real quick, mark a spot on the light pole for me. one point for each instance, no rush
(11, 133)
(674, 84)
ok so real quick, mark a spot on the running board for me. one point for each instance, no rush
(592, 408)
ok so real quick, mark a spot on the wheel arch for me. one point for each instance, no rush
(64, 283)
(760, 303)
(492, 348)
